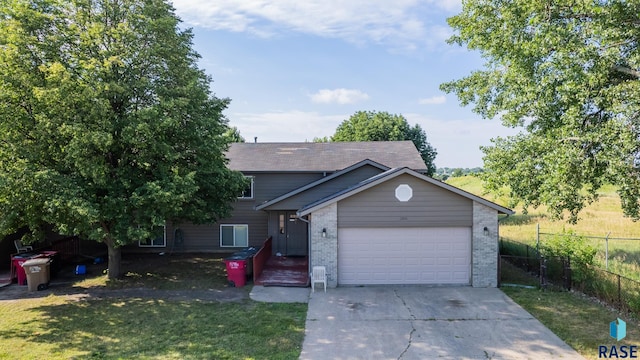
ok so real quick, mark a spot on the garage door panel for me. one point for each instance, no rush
(404, 256)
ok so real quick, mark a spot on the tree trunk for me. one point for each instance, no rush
(115, 255)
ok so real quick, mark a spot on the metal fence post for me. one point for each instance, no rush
(567, 273)
(606, 251)
(538, 237)
(619, 294)
(543, 273)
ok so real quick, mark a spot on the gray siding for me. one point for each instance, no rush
(270, 186)
(429, 206)
(206, 237)
(327, 188)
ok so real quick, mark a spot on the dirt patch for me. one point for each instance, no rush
(192, 277)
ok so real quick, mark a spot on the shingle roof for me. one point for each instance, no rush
(390, 174)
(330, 156)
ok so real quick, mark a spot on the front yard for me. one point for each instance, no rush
(70, 321)
(180, 307)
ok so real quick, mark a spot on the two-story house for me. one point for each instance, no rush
(365, 210)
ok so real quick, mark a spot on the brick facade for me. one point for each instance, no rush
(484, 267)
(484, 248)
(324, 250)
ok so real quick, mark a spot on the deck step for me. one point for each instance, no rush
(285, 271)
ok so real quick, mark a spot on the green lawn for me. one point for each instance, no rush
(55, 327)
(117, 327)
(579, 321)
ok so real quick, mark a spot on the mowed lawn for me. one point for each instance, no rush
(115, 327)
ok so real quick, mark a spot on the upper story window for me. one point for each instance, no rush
(248, 191)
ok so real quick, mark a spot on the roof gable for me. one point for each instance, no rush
(324, 180)
(321, 157)
(390, 174)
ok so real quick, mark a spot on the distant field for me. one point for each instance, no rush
(598, 219)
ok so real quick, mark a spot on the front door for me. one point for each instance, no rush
(292, 235)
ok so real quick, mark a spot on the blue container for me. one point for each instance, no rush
(81, 270)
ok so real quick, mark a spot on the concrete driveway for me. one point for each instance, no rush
(416, 322)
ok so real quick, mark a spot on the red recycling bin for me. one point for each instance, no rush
(19, 270)
(236, 270)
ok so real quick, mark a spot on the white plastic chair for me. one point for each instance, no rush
(22, 248)
(318, 275)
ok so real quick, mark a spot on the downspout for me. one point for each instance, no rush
(308, 242)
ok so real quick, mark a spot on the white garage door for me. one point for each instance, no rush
(404, 256)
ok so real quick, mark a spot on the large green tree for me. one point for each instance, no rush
(107, 126)
(383, 126)
(568, 73)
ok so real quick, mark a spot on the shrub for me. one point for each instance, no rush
(575, 248)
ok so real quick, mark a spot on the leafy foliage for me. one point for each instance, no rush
(233, 135)
(569, 244)
(567, 73)
(383, 126)
(574, 247)
(108, 128)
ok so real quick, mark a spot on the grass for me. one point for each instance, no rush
(55, 327)
(175, 272)
(579, 321)
(597, 219)
(113, 327)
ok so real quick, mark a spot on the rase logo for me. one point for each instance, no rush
(618, 331)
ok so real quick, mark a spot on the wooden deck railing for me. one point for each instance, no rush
(261, 257)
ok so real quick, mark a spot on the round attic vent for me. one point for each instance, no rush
(404, 192)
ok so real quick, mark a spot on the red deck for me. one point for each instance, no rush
(285, 271)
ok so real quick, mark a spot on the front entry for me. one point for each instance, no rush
(291, 239)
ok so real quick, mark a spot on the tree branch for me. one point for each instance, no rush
(628, 71)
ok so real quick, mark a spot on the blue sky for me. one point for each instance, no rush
(295, 69)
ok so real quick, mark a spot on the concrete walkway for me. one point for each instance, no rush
(280, 294)
(416, 322)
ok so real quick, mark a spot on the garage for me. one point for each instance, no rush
(426, 255)
(401, 227)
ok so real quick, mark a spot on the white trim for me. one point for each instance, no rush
(321, 181)
(252, 189)
(234, 236)
(151, 245)
(391, 174)
(404, 192)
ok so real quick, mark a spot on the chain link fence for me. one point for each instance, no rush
(522, 265)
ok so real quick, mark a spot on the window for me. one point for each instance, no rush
(247, 193)
(159, 239)
(234, 235)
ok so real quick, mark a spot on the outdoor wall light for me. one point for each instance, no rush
(324, 232)
(486, 231)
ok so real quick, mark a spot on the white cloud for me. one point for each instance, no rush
(400, 24)
(433, 100)
(338, 96)
(285, 126)
(458, 141)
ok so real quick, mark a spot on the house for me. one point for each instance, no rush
(364, 210)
